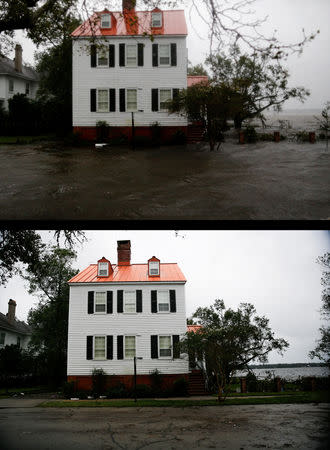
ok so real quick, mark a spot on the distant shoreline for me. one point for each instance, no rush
(278, 366)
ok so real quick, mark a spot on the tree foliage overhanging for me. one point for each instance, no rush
(229, 340)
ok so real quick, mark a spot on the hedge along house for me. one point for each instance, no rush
(118, 311)
(119, 69)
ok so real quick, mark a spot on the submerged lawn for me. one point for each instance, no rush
(302, 397)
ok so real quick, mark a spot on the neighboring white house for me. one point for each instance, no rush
(118, 311)
(13, 331)
(15, 78)
(118, 69)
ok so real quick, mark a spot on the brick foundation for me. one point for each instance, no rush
(166, 133)
(84, 382)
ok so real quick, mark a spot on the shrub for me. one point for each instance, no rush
(251, 382)
(143, 141)
(155, 133)
(142, 391)
(68, 389)
(178, 138)
(180, 387)
(265, 137)
(118, 391)
(102, 131)
(302, 136)
(98, 381)
(250, 134)
(156, 381)
(82, 395)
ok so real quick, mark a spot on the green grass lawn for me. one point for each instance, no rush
(24, 139)
(301, 397)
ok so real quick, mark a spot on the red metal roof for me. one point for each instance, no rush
(134, 23)
(196, 79)
(194, 328)
(132, 273)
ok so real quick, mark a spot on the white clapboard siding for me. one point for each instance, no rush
(143, 78)
(142, 325)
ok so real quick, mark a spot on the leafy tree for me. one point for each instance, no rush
(228, 21)
(49, 320)
(324, 121)
(322, 350)
(13, 362)
(199, 69)
(209, 103)
(229, 340)
(25, 247)
(257, 83)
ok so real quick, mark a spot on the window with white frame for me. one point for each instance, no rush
(100, 302)
(164, 96)
(102, 57)
(27, 88)
(103, 269)
(11, 85)
(129, 346)
(102, 100)
(99, 347)
(156, 20)
(18, 342)
(163, 299)
(105, 21)
(2, 338)
(129, 301)
(131, 55)
(154, 268)
(131, 100)
(164, 55)
(165, 346)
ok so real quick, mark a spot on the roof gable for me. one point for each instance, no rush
(17, 326)
(7, 66)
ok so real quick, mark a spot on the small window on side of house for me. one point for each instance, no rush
(27, 88)
(100, 302)
(129, 347)
(18, 343)
(103, 267)
(105, 21)
(156, 20)
(11, 85)
(99, 347)
(154, 268)
(165, 346)
(2, 339)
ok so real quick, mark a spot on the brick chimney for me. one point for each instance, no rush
(129, 5)
(11, 311)
(18, 58)
(124, 253)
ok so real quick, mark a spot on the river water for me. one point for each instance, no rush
(289, 373)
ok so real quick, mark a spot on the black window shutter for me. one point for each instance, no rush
(93, 55)
(155, 55)
(120, 295)
(140, 54)
(111, 55)
(112, 96)
(120, 347)
(109, 347)
(175, 93)
(154, 347)
(176, 348)
(173, 55)
(109, 302)
(122, 100)
(89, 347)
(173, 301)
(153, 301)
(122, 55)
(154, 99)
(90, 302)
(93, 100)
(139, 301)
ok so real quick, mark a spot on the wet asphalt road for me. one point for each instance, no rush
(265, 181)
(230, 427)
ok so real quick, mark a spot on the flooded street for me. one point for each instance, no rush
(256, 181)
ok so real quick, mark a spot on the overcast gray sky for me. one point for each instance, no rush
(274, 270)
(310, 70)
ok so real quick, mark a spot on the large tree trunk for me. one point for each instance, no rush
(238, 120)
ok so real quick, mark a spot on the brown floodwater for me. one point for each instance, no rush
(256, 181)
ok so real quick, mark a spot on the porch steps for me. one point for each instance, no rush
(195, 134)
(196, 384)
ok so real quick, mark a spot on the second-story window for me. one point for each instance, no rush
(105, 21)
(100, 302)
(164, 55)
(131, 55)
(102, 57)
(27, 88)
(164, 96)
(102, 100)
(131, 100)
(156, 20)
(163, 298)
(129, 301)
(2, 339)
(11, 85)
(99, 347)
(129, 347)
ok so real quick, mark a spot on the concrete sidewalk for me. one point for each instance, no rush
(18, 402)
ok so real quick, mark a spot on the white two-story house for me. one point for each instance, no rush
(118, 311)
(129, 62)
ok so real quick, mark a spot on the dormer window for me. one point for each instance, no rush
(156, 20)
(103, 269)
(153, 267)
(105, 21)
